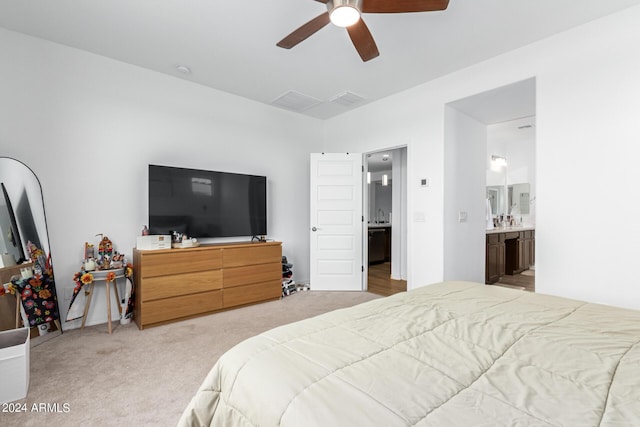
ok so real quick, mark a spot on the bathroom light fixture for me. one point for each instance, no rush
(498, 160)
(385, 180)
(345, 12)
(368, 177)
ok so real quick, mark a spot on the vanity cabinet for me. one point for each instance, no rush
(514, 253)
(376, 245)
(530, 248)
(524, 258)
(508, 252)
(494, 258)
(379, 244)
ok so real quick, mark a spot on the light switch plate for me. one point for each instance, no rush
(462, 216)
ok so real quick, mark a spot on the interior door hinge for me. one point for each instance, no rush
(362, 218)
(362, 266)
(362, 168)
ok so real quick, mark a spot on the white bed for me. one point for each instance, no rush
(449, 354)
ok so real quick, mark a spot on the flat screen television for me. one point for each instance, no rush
(203, 203)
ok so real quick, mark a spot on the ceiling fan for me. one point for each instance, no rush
(346, 13)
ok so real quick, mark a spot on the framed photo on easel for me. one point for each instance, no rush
(89, 251)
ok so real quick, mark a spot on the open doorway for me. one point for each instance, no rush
(490, 187)
(385, 239)
(511, 193)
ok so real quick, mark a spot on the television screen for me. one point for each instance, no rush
(204, 203)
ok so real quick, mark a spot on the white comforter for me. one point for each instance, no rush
(450, 354)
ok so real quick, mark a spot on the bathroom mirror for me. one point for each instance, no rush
(24, 230)
(380, 202)
(517, 200)
(519, 195)
(495, 194)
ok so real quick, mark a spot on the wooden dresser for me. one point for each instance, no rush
(175, 284)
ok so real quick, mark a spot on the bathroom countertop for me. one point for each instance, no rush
(508, 229)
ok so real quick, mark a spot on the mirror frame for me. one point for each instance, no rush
(15, 231)
(40, 223)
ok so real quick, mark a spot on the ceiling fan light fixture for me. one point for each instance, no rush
(344, 13)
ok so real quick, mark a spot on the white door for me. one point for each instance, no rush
(336, 222)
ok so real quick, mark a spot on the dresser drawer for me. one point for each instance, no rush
(249, 255)
(179, 261)
(177, 307)
(238, 276)
(180, 284)
(251, 293)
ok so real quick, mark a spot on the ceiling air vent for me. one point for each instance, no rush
(295, 101)
(347, 99)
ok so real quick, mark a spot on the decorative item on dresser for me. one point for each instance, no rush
(175, 284)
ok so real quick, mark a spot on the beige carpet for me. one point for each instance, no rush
(138, 378)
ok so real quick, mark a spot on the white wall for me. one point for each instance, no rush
(587, 140)
(465, 145)
(588, 101)
(396, 121)
(88, 126)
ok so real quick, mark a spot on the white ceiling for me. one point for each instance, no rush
(380, 161)
(507, 103)
(231, 45)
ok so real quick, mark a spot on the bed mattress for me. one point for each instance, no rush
(449, 354)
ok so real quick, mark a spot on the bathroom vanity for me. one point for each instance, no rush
(510, 251)
(379, 243)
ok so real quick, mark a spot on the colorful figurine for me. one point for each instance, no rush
(105, 247)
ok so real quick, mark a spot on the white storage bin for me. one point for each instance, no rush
(14, 364)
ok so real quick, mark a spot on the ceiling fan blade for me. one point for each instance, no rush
(304, 31)
(401, 6)
(363, 40)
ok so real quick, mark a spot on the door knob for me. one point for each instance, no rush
(314, 229)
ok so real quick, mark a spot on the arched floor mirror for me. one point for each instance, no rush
(29, 295)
